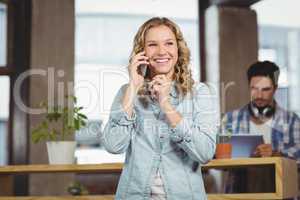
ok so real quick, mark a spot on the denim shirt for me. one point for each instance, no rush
(285, 129)
(151, 144)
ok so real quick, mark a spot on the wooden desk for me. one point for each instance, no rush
(26, 169)
(285, 177)
(6, 172)
(94, 197)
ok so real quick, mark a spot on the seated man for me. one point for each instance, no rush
(262, 115)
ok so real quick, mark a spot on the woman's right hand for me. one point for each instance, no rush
(136, 79)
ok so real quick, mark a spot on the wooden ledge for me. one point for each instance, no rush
(117, 167)
(285, 171)
(242, 162)
(94, 197)
(99, 168)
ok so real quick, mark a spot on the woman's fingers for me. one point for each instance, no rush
(160, 82)
(137, 60)
(136, 78)
(139, 57)
(160, 79)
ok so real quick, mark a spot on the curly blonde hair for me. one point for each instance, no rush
(182, 73)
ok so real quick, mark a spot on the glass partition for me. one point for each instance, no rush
(3, 34)
(4, 115)
(279, 41)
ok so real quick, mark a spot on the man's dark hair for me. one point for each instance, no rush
(264, 68)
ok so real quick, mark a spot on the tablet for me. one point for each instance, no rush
(243, 145)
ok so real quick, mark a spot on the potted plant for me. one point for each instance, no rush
(224, 147)
(76, 188)
(59, 123)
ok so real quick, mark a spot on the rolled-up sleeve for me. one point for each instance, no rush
(197, 136)
(120, 127)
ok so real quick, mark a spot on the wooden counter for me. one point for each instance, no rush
(286, 182)
(286, 177)
(94, 197)
(117, 167)
(95, 168)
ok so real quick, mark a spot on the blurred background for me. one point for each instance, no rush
(91, 40)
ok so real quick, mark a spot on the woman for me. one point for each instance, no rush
(164, 123)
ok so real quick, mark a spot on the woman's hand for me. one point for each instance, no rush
(137, 80)
(160, 89)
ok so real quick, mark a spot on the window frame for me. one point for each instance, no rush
(6, 71)
(17, 62)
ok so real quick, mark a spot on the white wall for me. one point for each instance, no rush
(278, 12)
(168, 8)
(3, 24)
(4, 97)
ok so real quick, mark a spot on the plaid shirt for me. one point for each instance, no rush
(285, 127)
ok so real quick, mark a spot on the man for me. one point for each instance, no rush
(262, 115)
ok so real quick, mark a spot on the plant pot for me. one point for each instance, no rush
(223, 150)
(61, 152)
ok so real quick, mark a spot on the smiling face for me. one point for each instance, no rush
(262, 91)
(161, 49)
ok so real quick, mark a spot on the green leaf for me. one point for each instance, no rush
(76, 124)
(52, 137)
(82, 116)
(83, 123)
(70, 117)
(38, 135)
(74, 99)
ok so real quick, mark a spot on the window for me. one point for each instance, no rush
(3, 33)
(4, 115)
(4, 87)
(279, 41)
(104, 37)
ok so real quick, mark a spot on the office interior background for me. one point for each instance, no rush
(104, 32)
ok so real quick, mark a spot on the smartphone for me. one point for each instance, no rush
(142, 70)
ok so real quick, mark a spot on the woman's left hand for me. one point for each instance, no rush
(160, 88)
